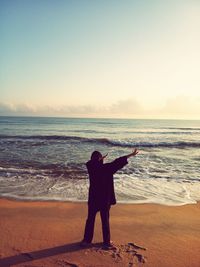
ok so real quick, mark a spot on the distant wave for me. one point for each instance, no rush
(103, 141)
(183, 128)
(148, 144)
(42, 137)
(162, 133)
(38, 169)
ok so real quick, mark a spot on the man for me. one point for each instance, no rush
(101, 194)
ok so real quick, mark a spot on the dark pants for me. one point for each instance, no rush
(89, 226)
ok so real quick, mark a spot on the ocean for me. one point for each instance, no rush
(44, 158)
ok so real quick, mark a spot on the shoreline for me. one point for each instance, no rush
(44, 233)
(85, 201)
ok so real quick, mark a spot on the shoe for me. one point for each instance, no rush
(109, 246)
(85, 244)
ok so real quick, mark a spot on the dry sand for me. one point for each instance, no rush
(47, 234)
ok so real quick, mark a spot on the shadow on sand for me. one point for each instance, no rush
(39, 254)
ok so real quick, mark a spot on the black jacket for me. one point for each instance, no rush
(101, 190)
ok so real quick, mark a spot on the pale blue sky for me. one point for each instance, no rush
(100, 58)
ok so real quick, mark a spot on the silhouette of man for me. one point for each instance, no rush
(101, 194)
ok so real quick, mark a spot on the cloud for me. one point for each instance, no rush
(127, 107)
(182, 106)
(178, 107)
(122, 108)
(9, 109)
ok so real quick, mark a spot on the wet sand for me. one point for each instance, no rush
(48, 233)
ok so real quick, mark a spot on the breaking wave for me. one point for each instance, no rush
(103, 141)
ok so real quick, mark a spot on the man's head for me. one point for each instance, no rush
(96, 156)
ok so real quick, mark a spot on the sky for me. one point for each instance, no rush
(121, 59)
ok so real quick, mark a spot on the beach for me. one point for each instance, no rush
(48, 234)
(44, 191)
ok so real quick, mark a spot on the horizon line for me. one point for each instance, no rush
(100, 118)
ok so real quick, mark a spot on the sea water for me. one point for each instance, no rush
(44, 158)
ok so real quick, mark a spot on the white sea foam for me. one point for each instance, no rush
(128, 190)
(163, 191)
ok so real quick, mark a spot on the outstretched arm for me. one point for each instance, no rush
(134, 153)
(119, 163)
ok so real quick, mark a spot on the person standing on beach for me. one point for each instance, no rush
(101, 194)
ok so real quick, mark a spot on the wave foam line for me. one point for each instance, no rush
(105, 141)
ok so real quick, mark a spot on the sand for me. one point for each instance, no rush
(48, 233)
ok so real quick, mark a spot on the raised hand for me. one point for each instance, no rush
(103, 157)
(134, 153)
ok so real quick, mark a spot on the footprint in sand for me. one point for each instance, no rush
(123, 252)
(64, 263)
